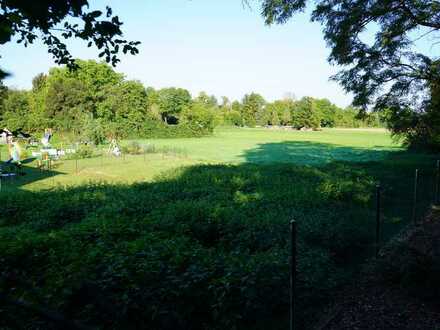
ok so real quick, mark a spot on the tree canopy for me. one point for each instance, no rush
(55, 21)
(391, 73)
(95, 102)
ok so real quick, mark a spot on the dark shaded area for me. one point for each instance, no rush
(205, 247)
(24, 175)
(312, 153)
(400, 290)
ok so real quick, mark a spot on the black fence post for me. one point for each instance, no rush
(437, 178)
(76, 165)
(378, 209)
(292, 273)
(414, 211)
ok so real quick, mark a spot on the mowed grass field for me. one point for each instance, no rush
(226, 146)
(197, 236)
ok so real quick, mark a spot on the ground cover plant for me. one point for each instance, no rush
(205, 246)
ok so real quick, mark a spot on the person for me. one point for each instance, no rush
(116, 151)
(46, 137)
(5, 135)
(114, 148)
(14, 153)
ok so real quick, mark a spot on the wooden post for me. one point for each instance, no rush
(414, 212)
(292, 273)
(378, 231)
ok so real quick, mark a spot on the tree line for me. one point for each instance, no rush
(96, 102)
(389, 73)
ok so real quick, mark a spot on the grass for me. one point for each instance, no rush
(204, 246)
(228, 145)
(232, 145)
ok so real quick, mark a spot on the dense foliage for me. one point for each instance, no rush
(96, 103)
(204, 247)
(54, 21)
(396, 72)
(308, 112)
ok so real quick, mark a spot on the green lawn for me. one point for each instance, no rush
(235, 145)
(227, 145)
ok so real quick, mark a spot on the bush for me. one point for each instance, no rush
(84, 151)
(133, 148)
(161, 130)
(204, 247)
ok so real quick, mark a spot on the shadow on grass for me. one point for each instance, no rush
(25, 175)
(204, 247)
(312, 153)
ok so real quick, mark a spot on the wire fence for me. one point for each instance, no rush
(396, 205)
(396, 209)
(97, 163)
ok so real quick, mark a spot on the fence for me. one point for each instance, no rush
(425, 193)
(392, 203)
(98, 160)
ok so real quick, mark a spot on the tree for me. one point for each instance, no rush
(15, 110)
(199, 118)
(3, 94)
(207, 100)
(226, 103)
(171, 103)
(66, 102)
(73, 94)
(306, 114)
(279, 112)
(390, 73)
(253, 109)
(55, 21)
(326, 111)
(126, 104)
(38, 82)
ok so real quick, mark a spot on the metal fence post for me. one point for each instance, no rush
(437, 178)
(414, 211)
(76, 165)
(292, 273)
(378, 231)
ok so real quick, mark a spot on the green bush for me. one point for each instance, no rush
(133, 148)
(203, 247)
(84, 151)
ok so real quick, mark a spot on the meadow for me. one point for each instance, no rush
(226, 146)
(195, 235)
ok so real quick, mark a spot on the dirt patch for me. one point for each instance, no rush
(396, 291)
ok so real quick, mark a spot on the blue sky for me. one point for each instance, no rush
(220, 47)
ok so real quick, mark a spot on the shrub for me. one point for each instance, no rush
(84, 151)
(133, 148)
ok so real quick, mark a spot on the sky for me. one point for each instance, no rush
(220, 47)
